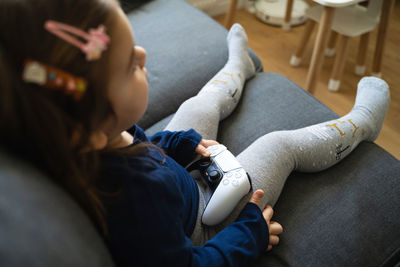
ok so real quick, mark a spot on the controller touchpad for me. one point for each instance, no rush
(227, 161)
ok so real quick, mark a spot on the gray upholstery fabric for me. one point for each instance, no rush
(40, 225)
(345, 216)
(185, 48)
(348, 215)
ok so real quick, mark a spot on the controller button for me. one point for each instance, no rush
(225, 182)
(238, 175)
(235, 183)
(229, 174)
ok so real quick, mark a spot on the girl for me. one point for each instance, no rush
(70, 96)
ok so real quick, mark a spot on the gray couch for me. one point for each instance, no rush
(348, 215)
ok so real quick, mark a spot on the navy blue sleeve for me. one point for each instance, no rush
(238, 244)
(146, 227)
(145, 219)
(179, 145)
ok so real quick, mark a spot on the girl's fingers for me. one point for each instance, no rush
(269, 247)
(200, 149)
(256, 197)
(208, 143)
(273, 240)
(275, 228)
(268, 212)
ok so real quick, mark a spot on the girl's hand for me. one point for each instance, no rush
(201, 147)
(274, 228)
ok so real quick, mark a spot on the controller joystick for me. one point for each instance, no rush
(204, 164)
(215, 176)
(226, 178)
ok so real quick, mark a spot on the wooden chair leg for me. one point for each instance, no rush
(330, 50)
(296, 58)
(321, 43)
(230, 15)
(387, 7)
(362, 54)
(288, 15)
(338, 66)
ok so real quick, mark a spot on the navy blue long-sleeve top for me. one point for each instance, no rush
(152, 202)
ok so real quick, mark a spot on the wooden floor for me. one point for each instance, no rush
(275, 47)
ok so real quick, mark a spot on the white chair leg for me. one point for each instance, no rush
(288, 15)
(359, 70)
(362, 54)
(295, 61)
(296, 58)
(333, 85)
(329, 52)
(286, 26)
(338, 66)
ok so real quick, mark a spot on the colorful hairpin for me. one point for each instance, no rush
(53, 78)
(97, 39)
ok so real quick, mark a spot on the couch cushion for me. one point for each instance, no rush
(347, 215)
(185, 48)
(40, 225)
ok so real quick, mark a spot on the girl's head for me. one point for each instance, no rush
(127, 87)
(49, 127)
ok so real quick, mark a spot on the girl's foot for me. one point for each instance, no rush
(238, 50)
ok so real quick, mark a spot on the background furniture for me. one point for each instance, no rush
(387, 8)
(322, 43)
(230, 14)
(345, 216)
(349, 20)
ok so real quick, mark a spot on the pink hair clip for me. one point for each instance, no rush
(97, 39)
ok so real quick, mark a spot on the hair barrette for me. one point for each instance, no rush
(53, 78)
(97, 39)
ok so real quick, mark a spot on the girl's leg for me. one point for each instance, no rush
(219, 97)
(272, 157)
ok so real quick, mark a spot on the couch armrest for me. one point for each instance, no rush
(40, 225)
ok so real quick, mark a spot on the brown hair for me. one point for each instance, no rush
(38, 124)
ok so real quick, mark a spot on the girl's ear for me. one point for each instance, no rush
(98, 140)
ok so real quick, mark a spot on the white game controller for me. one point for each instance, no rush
(223, 173)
